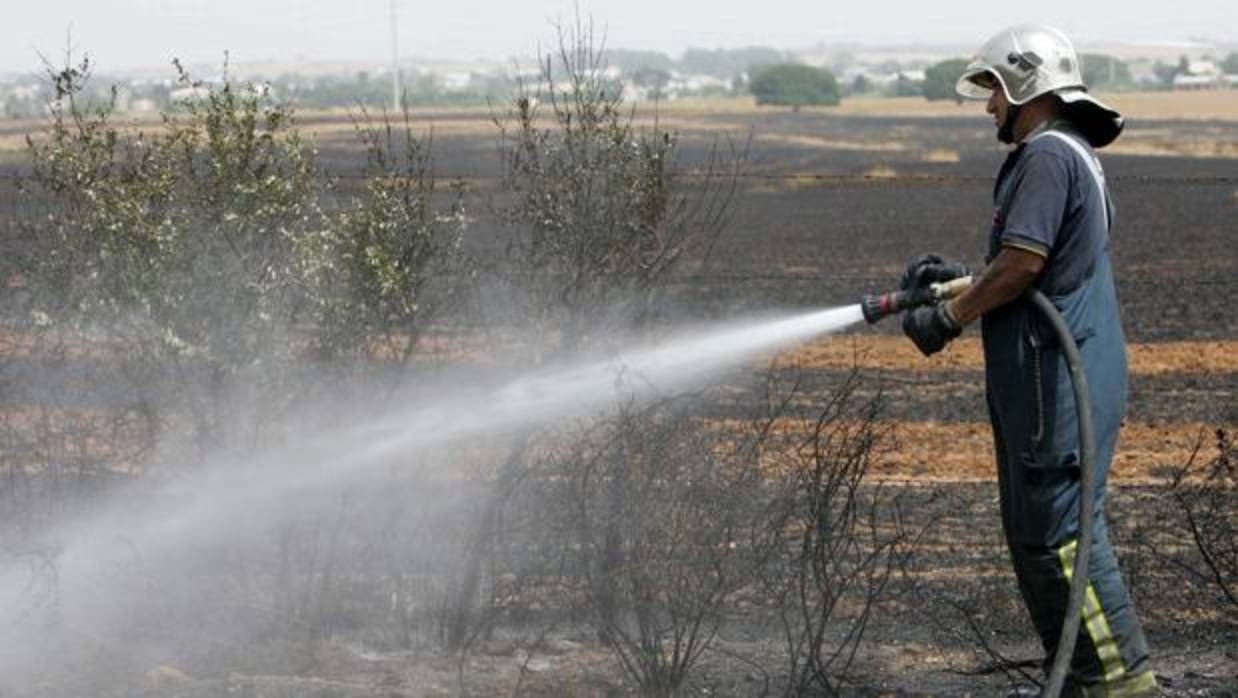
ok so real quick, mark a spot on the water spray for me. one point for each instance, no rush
(878, 306)
(578, 388)
(236, 495)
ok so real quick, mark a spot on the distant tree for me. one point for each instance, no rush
(653, 80)
(1230, 64)
(794, 85)
(908, 87)
(1164, 73)
(1104, 71)
(861, 85)
(940, 78)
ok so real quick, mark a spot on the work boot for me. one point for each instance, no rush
(1141, 685)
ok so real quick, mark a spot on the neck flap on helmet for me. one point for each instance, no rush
(1098, 123)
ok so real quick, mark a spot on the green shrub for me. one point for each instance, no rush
(211, 252)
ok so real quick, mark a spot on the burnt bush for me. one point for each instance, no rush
(837, 538)
(660, 527)
(668, 517)
(1205, 513)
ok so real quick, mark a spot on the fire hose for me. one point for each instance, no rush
(877, 306)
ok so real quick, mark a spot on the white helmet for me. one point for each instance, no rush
(1030, 60)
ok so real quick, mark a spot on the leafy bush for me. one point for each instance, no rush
(393, 260)
(206, 255)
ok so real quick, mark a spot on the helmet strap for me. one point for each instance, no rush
(1005, 132)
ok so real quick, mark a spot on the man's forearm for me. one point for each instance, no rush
(1011, 272)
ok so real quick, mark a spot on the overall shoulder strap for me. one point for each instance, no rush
(1089, 159)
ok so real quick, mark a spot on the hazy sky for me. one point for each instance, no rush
(132, 33)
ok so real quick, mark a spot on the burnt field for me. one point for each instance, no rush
(831, 206)
(346, 601)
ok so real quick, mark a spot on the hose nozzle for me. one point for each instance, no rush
(877, 306)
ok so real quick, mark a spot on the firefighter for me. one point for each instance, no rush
(1050, 230)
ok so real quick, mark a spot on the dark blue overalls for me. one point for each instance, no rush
(1049, 201)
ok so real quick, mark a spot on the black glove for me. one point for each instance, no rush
(930, 269)
(930, 327)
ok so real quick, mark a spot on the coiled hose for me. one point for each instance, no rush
(1087, 486)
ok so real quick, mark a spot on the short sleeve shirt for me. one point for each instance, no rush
(1048, 201)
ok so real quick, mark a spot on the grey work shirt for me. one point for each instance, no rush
(1046, 200)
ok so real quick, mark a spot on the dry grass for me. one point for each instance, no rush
(940, 155)
(963, 451)
(881, 172)
(821, 142)
(1210, 357)
(1135, 142)
(686, 115)
(1209, 105)
(1216, 105)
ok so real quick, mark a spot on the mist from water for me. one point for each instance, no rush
(234, 497)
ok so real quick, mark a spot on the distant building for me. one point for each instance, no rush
(1203, 67)
(1202, 75)
(1183, 81)
(189, 94)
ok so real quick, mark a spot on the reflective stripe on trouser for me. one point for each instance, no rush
(1110, 643)
(1094, 621)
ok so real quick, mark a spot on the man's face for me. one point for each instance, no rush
(998, 106)
(1003, 114)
